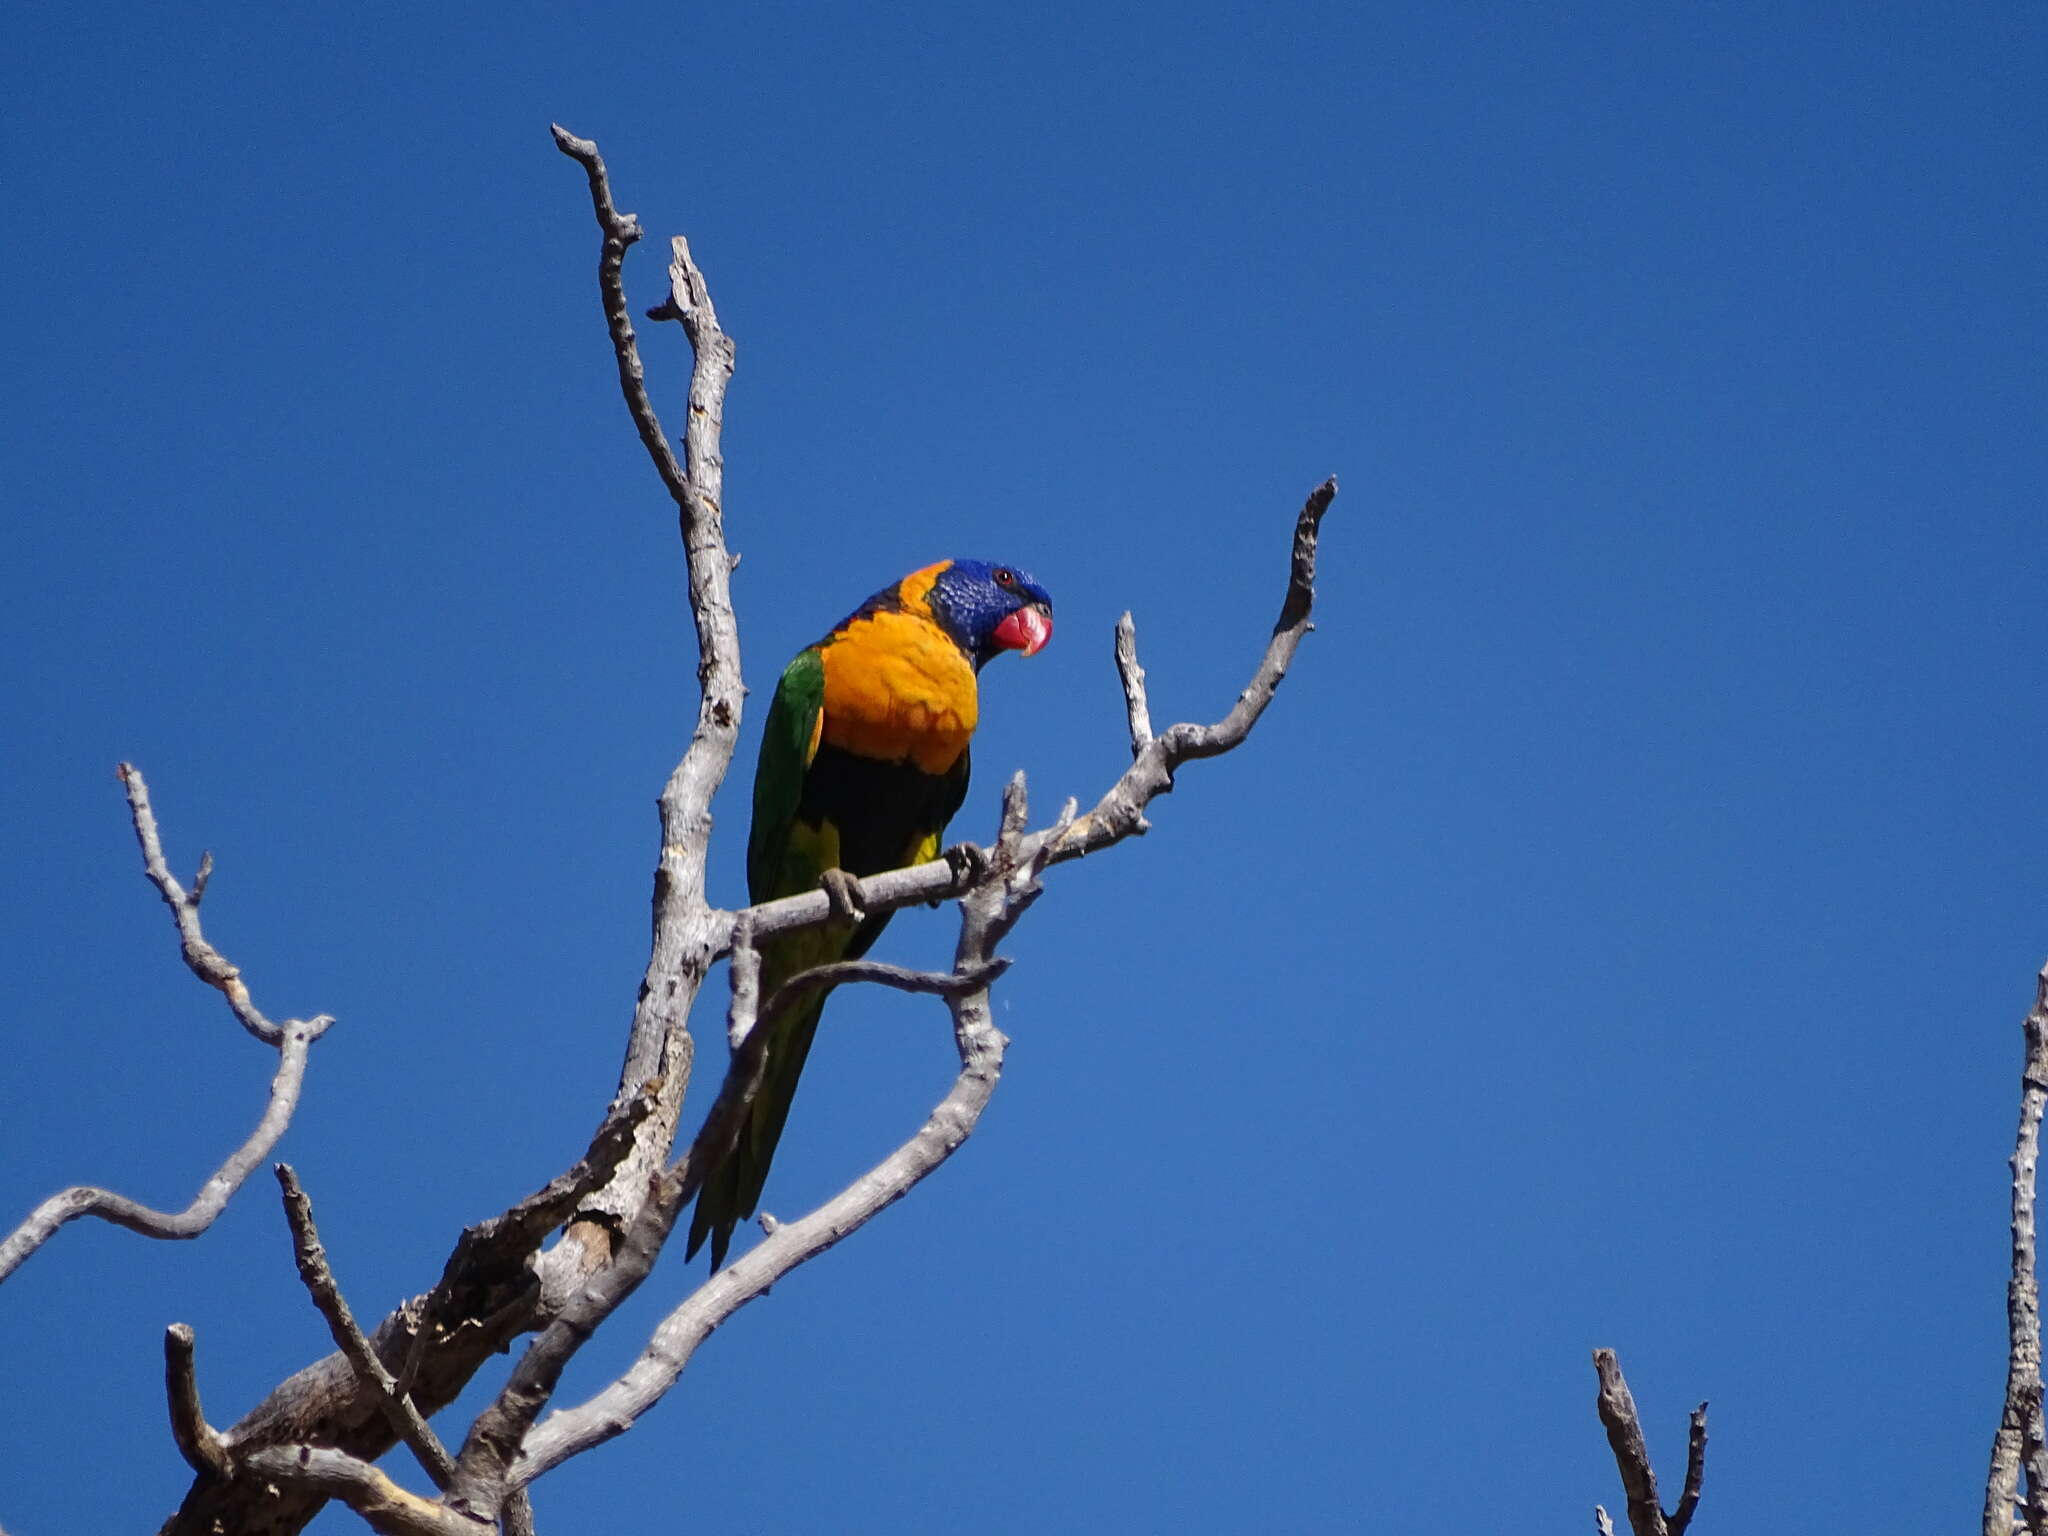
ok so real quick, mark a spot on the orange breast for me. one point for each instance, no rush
(897, 688)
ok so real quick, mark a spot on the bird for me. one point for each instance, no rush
(863, 761)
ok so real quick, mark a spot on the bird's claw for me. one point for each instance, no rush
(843, 892)
(968, 861)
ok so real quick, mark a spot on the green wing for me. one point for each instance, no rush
(787, 747)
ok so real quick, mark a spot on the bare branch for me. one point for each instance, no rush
(487, 1297)
(485, 1469)
(205, 962)
(843, 972)
(987, 913)
(292, 1038)
(659, 1044)
(2019, 1436)
(198, 1442)
(787, 1245)
(1695, 1472)
(320, 1283)
(1133, 678)
(743, 972)
(295, 1039)
(326, 1473)
(494, 1306)
(1632, 1456)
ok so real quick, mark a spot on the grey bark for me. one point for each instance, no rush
(2019, 1442)
(1617, 1407)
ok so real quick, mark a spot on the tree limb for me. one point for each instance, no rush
(324, 1473)
(324, 1402)
(197, 1441)
(487, 1296)
(2018, 1442)
(658, 1045)
(321, 1285)
(1632, 1456)
(485, 1469)
(789, 1244)
(292, 1039)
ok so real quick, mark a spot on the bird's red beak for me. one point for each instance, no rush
(1026, 630)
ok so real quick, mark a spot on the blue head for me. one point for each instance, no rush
(991, 608)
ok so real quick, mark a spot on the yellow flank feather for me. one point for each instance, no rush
(898, 689)
(812, 846)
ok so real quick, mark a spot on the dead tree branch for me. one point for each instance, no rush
(197, 1441)
(2019, 1442)
(1132, 676)
(321, 1285)
(488, 1294)
(987, 915)
(1646, 1516)
(293, 1040)
(658, 1046)
(319, 1473)
(317, 1434)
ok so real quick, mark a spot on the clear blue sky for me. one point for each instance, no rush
(1617, 934)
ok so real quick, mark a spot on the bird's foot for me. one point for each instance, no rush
(843, 892)
(968, 861)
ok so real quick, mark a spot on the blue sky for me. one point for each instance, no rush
(1616, 935)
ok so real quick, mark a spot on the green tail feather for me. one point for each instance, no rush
(733, 1189)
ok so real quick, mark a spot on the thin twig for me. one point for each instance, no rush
(205, 962)
(321, 1285)
(2019, 1436)
(197, 1441)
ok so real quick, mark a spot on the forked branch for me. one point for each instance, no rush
(1646, 1516)
(293, 1040)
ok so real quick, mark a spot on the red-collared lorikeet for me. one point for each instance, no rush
(863, 763)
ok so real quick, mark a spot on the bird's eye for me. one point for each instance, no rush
(1006, 577)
